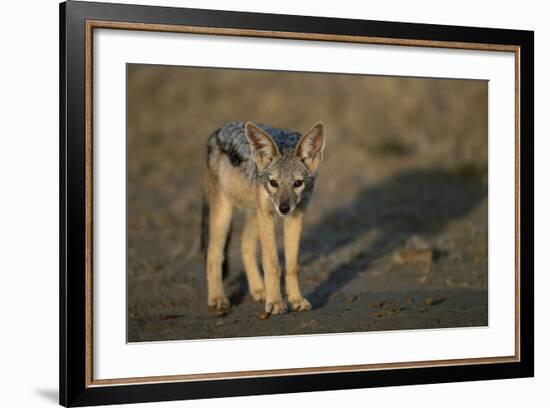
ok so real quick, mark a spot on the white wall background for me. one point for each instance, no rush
(29, 201)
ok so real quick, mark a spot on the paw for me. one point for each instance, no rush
(258, 294)
(278, 307)
(299, 304)
(219, 303)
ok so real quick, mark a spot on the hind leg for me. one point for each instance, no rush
(249, 247)
(219, 223)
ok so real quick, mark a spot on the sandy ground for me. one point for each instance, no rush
(395, 237)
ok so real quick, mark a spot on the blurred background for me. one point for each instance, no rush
(396, 234)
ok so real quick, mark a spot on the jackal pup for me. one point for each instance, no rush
(266, 172)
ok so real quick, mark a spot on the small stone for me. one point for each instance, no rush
(219, 322)
(377, 303)
(423, 279)
(310, 324)
(417, 242)
(351, 299)
(413, 256)
(434, 300)
(334, 296)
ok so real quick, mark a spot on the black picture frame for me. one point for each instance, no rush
(74, 387)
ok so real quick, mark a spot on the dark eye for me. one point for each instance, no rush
(273, 183)
(298, 183)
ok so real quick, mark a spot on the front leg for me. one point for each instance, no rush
(272, 272)
(293, 229)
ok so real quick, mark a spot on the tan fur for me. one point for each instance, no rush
(234, 184)
(220, 220)
(293, 229)
(272, 272)
(249, 246)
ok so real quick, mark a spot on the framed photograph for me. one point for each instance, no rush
(256, 203)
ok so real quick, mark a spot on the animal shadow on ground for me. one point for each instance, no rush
(416, 202)
(409, 203)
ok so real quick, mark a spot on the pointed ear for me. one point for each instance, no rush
(311, 146)
(263, 147)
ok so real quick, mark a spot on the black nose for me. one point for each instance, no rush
(284, 208)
